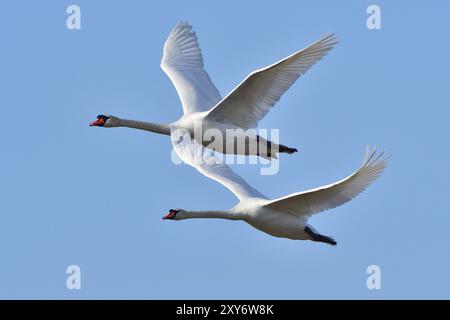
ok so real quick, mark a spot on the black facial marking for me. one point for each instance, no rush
(103, 117)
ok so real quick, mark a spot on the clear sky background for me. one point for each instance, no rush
(72, 194)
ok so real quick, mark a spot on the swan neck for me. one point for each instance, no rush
(212, 214)
(147, 126)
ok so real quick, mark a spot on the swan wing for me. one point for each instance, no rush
(307, 203)
(208, 164)
(250, 101)
(182, 61)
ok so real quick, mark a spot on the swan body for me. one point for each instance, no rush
(241, 109)
(285, 217)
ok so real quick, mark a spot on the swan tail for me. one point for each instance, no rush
(315, 236)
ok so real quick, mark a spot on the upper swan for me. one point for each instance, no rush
(204, 108)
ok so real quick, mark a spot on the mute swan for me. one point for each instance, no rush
(285, 217)
(242, 108)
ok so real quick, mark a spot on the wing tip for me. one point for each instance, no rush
(183, 24)
(329, 39)
(377, 161)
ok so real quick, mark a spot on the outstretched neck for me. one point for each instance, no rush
(213, 214)
(148, 126)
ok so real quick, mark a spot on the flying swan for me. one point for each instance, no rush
(285, 217)
(242, 108)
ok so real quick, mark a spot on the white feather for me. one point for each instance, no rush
(202, 159)
(306, 203)
(182, 61)
(250, 101)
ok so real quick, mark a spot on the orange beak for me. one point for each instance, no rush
(170, 215)
(97, 123)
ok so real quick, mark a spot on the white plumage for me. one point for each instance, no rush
(250, 101)
(283, 217)
(211, 166)
(242, 108)
(182, 61)
(313, 201)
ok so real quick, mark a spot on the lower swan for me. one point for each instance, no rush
(285, 217)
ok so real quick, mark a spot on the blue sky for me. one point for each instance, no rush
(72, 194)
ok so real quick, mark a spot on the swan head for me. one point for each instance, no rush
(175, 214)
(104, 120)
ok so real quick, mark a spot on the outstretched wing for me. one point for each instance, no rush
(250, 101)
(182, 61)
(307, 203)
(195, 155)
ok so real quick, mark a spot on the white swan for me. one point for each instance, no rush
(284, 217)
(242, 108)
